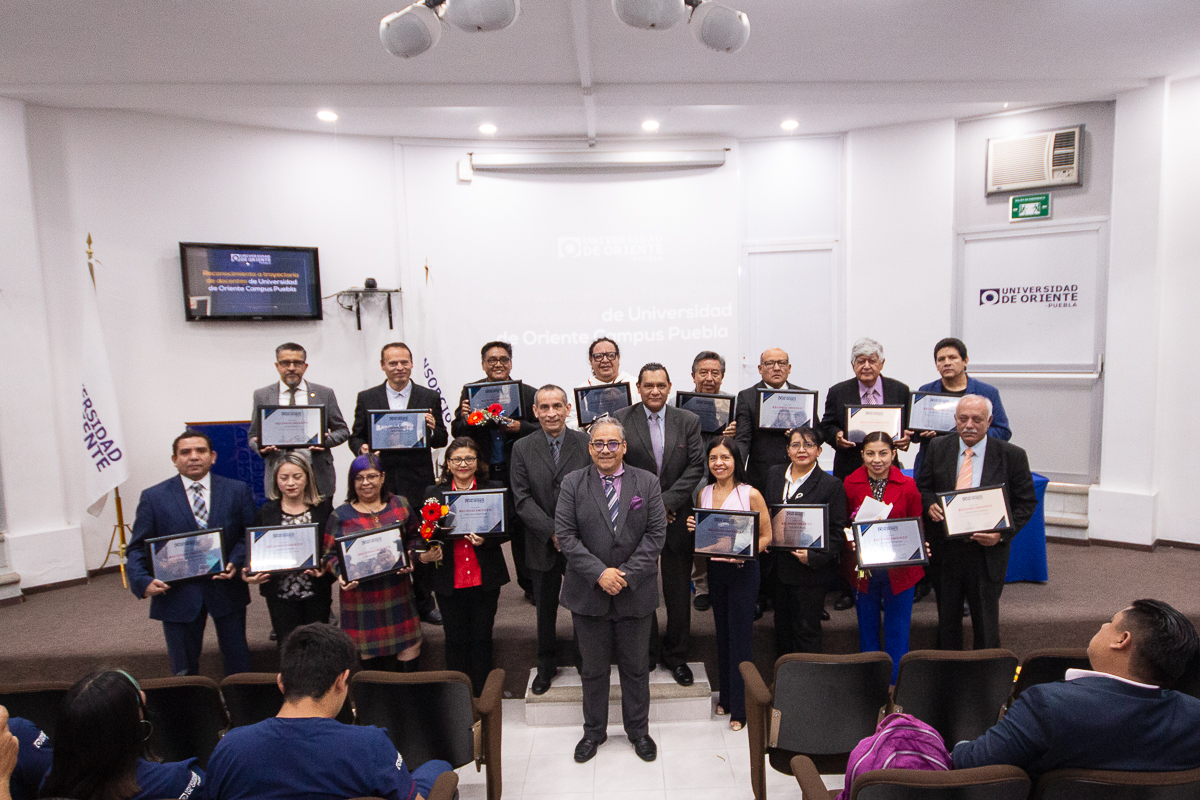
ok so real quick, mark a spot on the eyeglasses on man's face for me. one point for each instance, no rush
(497, 362)
(782, 362)
(604, 356)
(611, 445)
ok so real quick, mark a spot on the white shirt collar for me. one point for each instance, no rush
(661, 413)
(301, 393)
(403, 394)
(205, 482)
(790, 486)
(977, 450)
(1074, 674)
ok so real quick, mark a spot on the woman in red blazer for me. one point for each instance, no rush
(889, 591)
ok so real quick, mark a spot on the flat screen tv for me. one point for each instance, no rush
(249, 281)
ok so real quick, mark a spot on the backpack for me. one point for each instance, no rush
(901, 741)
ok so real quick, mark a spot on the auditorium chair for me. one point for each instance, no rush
(1095, 784)
(187, 715)
(979, 783)
(37, 702)
(959, 693)
(443, 788)
(251, 697)
(1048, 666)
(432, 715)
(818, 705)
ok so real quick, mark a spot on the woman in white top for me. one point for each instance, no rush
(732, 583)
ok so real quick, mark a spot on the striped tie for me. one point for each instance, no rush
(199, 510)
(965, 476)
(610, 494)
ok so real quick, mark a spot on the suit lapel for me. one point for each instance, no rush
(628, 490)
(993, 472)
(183, 505)
(670, 433)
(806, 488)
(640, 427)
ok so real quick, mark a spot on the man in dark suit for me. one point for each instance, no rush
(973, 567)
(539, 465)
(195, 500)
(407, 472)
(496, 440)
(291, 361)
(665, 441)
(763, 449)
(611, 525)
(1117, 716)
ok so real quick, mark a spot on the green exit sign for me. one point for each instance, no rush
(1029, 206)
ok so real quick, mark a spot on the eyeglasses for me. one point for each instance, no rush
(604, 356)
(462, 461)
(863, 360)
(292, 363)
(367, 477)
(803, 446)
(496, 362)
(777, 363)
(611, 446)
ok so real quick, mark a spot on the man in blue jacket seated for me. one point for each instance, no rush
(1116, 716)
(303, 752)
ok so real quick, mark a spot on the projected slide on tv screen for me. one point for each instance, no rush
(230, 281)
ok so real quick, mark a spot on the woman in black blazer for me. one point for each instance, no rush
(803, 576)
(467, 583)
(294, 598)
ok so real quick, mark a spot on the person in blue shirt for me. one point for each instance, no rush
(303, 752)
(33, 757)
(99, 749)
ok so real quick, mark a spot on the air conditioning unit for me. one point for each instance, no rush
(1034, 160)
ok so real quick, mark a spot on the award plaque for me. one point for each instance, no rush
(506, 394)
(282, 548)
(592, 402)
(185, 556)
(291, 426)
(982, 510)
(480, 512)
(861, 420)
(890, 543)
(726, 534)
(371, 554)
(799, 527)
(714, 410)
(932, 411)
(399, 429)
(784, 409)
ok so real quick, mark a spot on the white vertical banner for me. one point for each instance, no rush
(431, 366)
(102, 444)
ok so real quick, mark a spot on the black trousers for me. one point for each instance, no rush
(184, 640)
(467, 618)
(672, 648)
(516, 533)
(546, 586)
(600, 638)
(287, 615)
(963, 574)
(798, 616)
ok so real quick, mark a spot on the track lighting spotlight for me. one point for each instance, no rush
(482, 15)
(649, 15)
(718, 26)
(412, 31)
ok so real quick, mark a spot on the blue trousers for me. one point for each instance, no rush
(733, 590)
(424, 775)
(185, 638)
(897, 617)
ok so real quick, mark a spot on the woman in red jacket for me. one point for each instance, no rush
(889, 591)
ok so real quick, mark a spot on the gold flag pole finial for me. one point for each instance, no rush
(91, 268)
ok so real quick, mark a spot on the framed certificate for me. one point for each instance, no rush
(714, 410)
(890, 543)
(932, 411)
(861, 420)
(784, 409)
(186, 556)
(726, 534)
(291, 426)
(506, 394)
(799, 527)
(371, 554)
(592, 402)
(982, 510)
(389, 429)
(282, 548)
(480, 512)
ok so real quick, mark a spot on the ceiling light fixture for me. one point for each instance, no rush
(325, 115)
(650, 15)
(475, 16)
(418, 28)
(487, 128)
(713, 24)
(789, 124)
(1006, 105)
(650, 125)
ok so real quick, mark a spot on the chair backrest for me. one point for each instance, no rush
(428, 715)
(1094, 784)
(960, 693)
(251, 697)
(187, 715)
(826, 704)
(979, 783)
(37, 702)
(1048, 666)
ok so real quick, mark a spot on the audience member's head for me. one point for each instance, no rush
(315, 664)
(1149, 642)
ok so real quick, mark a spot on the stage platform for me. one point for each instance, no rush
(67, 632)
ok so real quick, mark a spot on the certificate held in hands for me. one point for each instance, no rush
(714, 410)
(186, 556)
(291, 426)
(593, 402)
(506, 394)
(283, 548)
(371, 554)
(861, 420)
(799, 527)
(480, 511)
(932, 411)
(890, 543)
(784, 409)
(726, 534)
(397, 429)
(982, 510)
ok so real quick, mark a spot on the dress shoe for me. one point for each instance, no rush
(966, 609)
(587, 748)
(825, 615)
(529, 598)
(922, 591)
(541, 682)
(683, 676)
(701, 602)
(432, 616)
(758, 612)
(644, 746)
(844, 602)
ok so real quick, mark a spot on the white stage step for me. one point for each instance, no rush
(562, 704)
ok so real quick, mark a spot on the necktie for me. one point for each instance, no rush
(869, 398)
(965, 472)
(656, 439)
(199, 510)
(292, 396)
(554, 450)
(610, 494)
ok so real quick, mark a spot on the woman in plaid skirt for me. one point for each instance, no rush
(380, 615)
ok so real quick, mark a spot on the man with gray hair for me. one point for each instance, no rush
(973, 567)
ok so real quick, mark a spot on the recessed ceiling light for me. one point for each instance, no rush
(327, 116)
(650, 125)
(1006, 105)
(789, 124)
(487, 127)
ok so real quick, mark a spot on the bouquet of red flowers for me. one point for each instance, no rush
(431, 512)
(493, 413)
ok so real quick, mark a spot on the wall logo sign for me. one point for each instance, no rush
(1054, 296)
(635, 247)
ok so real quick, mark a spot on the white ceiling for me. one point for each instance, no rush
(832, 65)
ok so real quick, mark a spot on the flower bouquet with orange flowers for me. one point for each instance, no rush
(493, 413)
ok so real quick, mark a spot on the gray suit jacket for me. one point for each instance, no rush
(535, 482)
(322, 460)
(591, 543)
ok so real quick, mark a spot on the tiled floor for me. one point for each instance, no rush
(696, 761)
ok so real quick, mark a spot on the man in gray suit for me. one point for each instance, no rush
(293, 390)
(538, 466)
(611, 525)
